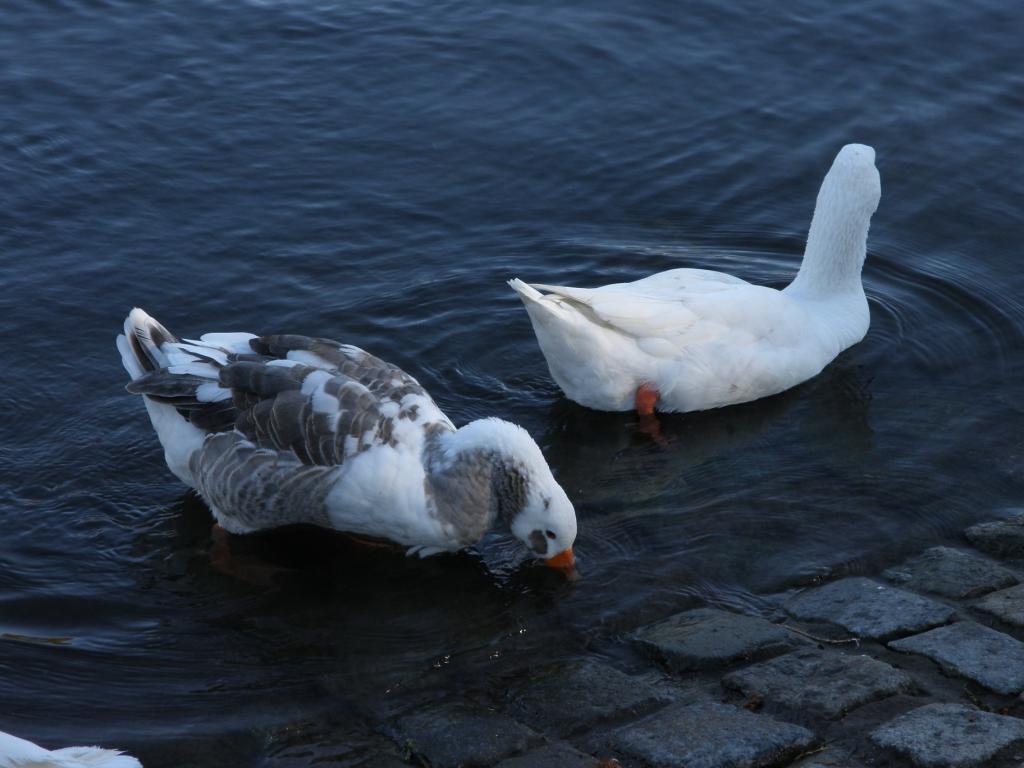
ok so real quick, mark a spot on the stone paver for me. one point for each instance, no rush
(557, 755)
(825, 683)
(707, 638)
(869, 609)
(710, 735)
(451, 736)
(970, 650)
(575, 696)
(1002, 538)
(1006, 605)
(952, 573)
(949, 736)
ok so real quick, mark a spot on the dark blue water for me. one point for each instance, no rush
(374, 173)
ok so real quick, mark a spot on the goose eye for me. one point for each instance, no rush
(549, 534)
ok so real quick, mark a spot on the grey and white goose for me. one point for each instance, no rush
(282, 429)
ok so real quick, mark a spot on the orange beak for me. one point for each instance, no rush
(564, 561)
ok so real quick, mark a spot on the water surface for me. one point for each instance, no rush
(374, 173)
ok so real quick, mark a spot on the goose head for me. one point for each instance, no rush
(852, 183)
(495, 465)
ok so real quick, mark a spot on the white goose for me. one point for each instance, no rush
(19, 753)
(274, 430)
(693, 339)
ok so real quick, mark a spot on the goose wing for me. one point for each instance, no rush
(283, 413)
(680, 307)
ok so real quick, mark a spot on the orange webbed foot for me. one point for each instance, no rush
(646, 398)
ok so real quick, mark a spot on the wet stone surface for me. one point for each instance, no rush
(710, 735)
(782, 686)
(1001, 538)
(825, 683)
(707, 638)
(558, 755)
(337, 739)
(576, 696)
(1006, 605)
(949, 736)
(952, 573)
(989, 658)
(869, 609)
(451, 736)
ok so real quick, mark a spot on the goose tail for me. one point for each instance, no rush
(141, 342)
(545, 309)
(525, 290)
(178, 403)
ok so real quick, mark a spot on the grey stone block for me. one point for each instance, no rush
(949, 736)
(707, 638)
(1006, 605)
(1002, 538)
(827, 684)
(970, 650)
(451, 736)
(575, 696)
(710, 735)
(869, 609)
(557, 755)
(952, 573)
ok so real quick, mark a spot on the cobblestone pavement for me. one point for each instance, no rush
(922, 665)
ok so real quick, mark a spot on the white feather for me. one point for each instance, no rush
(324, 403)
(305, 357)
(195, 368)
(128, 359)
(315, 381)
(212, 393)
(20, 753)
(231, 342)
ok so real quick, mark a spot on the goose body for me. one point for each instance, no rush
(281, 429)
(697, 339)
(20, 753)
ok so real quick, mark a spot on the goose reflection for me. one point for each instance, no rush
(606, 458)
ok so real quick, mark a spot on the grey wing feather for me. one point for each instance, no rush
(266, 394)
(177, 389)
(322, 421)
(385, 381)
(282, 417)
(182, 391)
(259, 487)
(326, 404)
